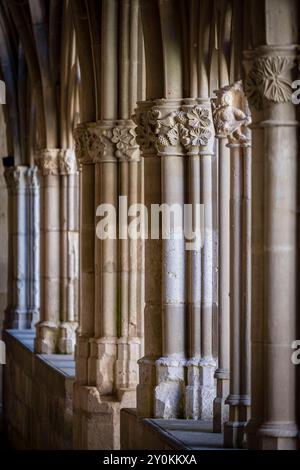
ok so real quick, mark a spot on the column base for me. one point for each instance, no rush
(46, 338)
(97, 418)
(126, 365)
(239, 414)
(82, 353)
(146, 386)
(201, 390)
(220, 408)
(67, 337)
(101, 364)
(273, 436)
(169, 393)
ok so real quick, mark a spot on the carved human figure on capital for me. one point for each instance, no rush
(231, 113)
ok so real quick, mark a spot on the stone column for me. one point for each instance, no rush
(200, 389)
(47, 328)
(221, 409)
(55, 332)
(87, 146)
(153, 259)
(69, 245)
(231, 115)
(17, 315)
(33, 251)
(273, 423)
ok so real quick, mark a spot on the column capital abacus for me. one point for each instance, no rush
(231, 115)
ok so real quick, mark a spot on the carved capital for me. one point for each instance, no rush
(47, 161)
(119, 140)
(173, 127)
(231, 114)
(67, 162)
(106, 141)
(16, 178)
(88, 144)
(269, 78)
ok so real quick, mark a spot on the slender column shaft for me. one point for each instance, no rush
(69, 251)
(153, 271)
(240, 285)
(34, 245)
(17, 315)
(222, 372)
(47, 328)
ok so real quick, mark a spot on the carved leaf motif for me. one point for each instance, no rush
(200, 136)
(198, 117)
(266, 80)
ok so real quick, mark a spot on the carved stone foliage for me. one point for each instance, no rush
(106, 141)
(67, 162)
(231, 113)
(48, 162)
(189, 128)
(88, 145)
(15, 177)
(268, 79)
(56, 161)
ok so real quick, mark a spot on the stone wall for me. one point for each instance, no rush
(37, 395)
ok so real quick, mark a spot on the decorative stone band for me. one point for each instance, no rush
(231, 114)
(106, 141)
(56, 162)
(175, 127)
(269, 74)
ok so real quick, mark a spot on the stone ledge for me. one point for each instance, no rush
(169, 434)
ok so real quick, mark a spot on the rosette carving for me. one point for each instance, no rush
(268, 79)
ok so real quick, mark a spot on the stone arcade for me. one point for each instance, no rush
(139, 342)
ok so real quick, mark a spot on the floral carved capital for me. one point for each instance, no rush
(120, 141)
(268, 79)
(187, 129)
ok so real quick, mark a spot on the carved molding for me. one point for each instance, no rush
(106, 141)
(185, 129)
(269, 79)
(231, 114)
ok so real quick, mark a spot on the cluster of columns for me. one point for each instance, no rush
(110, 336)
(23, 302)
(177, 372)
(55, 332)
